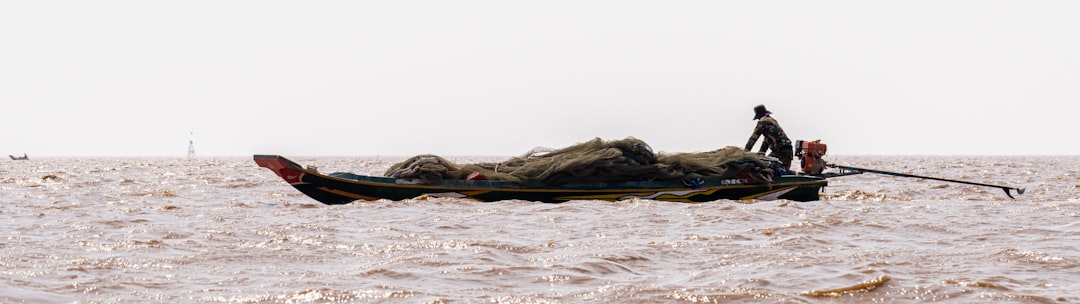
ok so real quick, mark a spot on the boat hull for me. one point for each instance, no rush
(343, 188)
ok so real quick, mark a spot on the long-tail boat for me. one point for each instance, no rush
(343, 187)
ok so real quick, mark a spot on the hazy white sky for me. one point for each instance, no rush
(361, 78)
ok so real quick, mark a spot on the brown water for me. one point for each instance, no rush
(210, 230)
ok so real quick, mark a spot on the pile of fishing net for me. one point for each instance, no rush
(597, 160)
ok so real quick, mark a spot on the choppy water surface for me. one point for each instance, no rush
(210, 230)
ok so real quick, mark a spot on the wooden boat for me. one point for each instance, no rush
(23, 157)
(343, 188)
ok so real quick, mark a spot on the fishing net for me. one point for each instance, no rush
(597, 160)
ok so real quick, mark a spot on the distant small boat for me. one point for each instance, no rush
(23, 157)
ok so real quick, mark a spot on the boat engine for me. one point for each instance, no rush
(811, 154)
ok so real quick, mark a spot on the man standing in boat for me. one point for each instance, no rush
(775, 139)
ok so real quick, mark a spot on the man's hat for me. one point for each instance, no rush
(760, 111)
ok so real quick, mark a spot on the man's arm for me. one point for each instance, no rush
(750, 144)
(754, 137)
